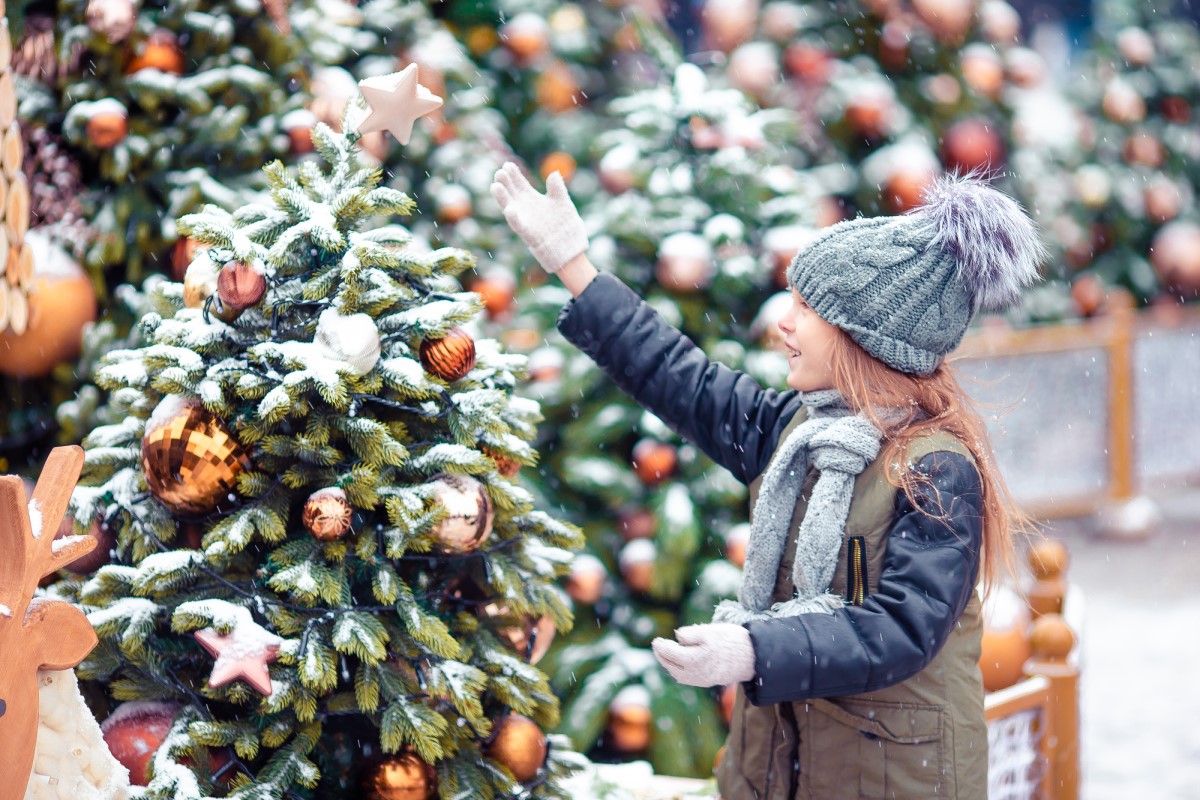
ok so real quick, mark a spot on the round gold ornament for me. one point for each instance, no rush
(107, 126)
(539, 631)
(636, 562)
(629, 720)
(519, 745)
(399, 777)
(585, 581)
(190, 459)
(162, 52)
(327, 514)
(470, 513)
(450, 357)
(200, 284)
(241, 285)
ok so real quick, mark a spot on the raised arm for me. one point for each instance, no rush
(725, 413)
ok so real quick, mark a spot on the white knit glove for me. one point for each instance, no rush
(707, 655)
(547, 223)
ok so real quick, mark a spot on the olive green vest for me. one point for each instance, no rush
(919, 739)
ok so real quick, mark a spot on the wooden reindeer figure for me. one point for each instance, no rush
(35, 633)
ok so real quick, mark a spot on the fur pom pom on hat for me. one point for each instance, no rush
(905, 288)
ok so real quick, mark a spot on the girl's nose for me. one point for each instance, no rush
(785, 325)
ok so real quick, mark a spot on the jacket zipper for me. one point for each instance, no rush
(857, 567)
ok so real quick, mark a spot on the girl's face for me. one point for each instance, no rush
(808, 341)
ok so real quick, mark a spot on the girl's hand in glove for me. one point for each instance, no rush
(707, 655)
(547, 223)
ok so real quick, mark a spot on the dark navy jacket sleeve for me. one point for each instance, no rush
(723, 412)
(930, 568)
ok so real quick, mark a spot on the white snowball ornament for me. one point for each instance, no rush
(352, 338)
(685, 262)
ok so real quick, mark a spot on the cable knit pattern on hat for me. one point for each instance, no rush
(840, 445)
(905, 288)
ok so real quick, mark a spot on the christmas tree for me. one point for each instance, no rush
(327, 581)
(1126, 217)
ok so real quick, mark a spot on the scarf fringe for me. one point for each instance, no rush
(734, 612)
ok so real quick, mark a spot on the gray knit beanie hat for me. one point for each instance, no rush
(905, 288)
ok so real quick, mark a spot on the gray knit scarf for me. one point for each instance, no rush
(838, 444)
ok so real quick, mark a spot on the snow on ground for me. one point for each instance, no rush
(1141, 648)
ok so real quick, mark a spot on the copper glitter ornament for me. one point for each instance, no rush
(327, 514)
(190, 459)
(450, 357)
(241, 285)
(399, 777)
(519, 745)
(470, 513)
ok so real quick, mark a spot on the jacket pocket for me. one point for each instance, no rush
(875, 750)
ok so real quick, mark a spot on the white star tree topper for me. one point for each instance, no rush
(396, 102)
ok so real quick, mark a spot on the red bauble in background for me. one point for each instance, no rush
(972, 144)
(134, 733)
(1175, 255)
(161, 51)
(654, 461)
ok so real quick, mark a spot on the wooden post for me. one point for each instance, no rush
(1048, 561)
(1052, 642)
(1121, 318)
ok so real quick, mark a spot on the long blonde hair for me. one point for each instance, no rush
(930, 403)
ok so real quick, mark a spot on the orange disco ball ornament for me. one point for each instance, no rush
(190, 459)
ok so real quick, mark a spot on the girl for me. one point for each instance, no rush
(875, 505)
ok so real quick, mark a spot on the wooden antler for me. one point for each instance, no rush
(35, 632)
